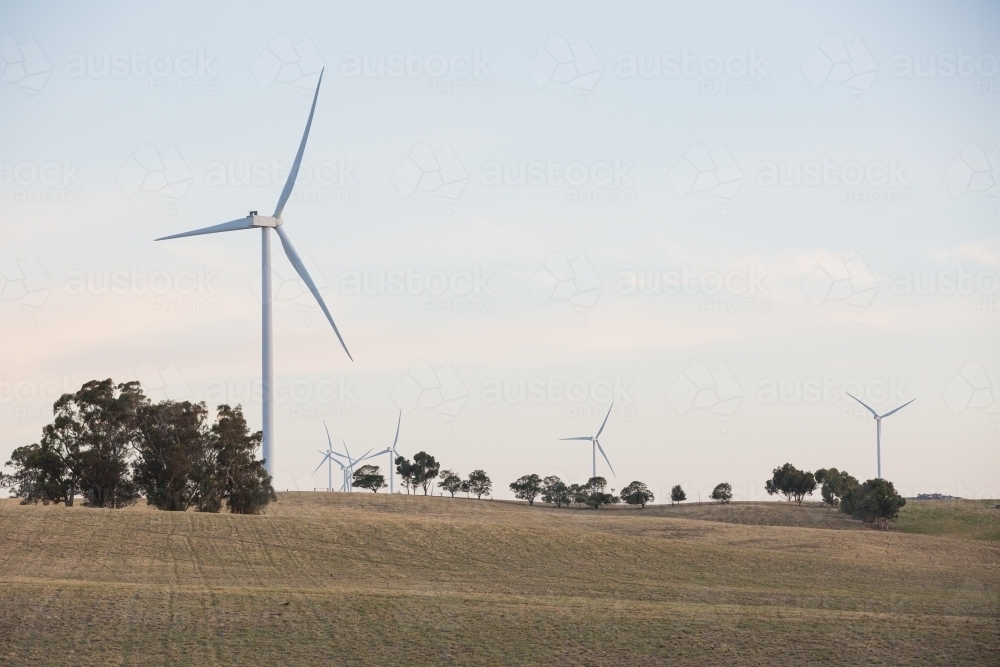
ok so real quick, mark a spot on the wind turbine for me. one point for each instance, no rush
(391, 451)
(595, 445)
(348, 469)
(328, 459)
(878, 427)
(266, 224)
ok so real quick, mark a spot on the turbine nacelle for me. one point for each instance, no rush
(264, 220)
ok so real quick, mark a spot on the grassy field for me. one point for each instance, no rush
(338, 579)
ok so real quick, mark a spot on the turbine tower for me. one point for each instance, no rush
(878, 428)
(595, 445)
(266, 224)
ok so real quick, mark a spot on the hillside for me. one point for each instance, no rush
(361, 579)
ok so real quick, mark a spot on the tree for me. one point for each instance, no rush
(677, 495)
(850, 493)
(554, 490)
(424, 470)
(245, 483)
(879, 503)
(404, 468)
(722, 493)
(368, 477)
(171, 443)
(594, 495)
(836, 484)
(450, 482)
(479, 483)
(108, 442)
(791, 483)
(99, 423)
(637, 493)
(527, 488)
(39, 475)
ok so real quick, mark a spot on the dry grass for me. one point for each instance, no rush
(363, 579)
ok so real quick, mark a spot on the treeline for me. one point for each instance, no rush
(591, 493)
(110, 445)
(420, 473)
(875, 501)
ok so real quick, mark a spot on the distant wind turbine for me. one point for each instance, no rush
(878, 427)
(348, 468)
(327, 459)
(266, 224)
(391, 451)
(595, 445)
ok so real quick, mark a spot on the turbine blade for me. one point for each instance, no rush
(346, 449)
(605, 458)
(325, 457)
(398, 422)
(231, 226)
(605, 420)
(329, 442)
(898, 409)
(290, 183)
(582, 437)
(296, 261)
(862, 403)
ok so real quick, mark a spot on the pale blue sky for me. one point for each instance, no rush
(924, 149)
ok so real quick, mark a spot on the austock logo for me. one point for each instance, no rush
(455, 74)
(28, 395)
(24, 282)
(459, 291)
(731, 75)
(183, 74)
(974, 170)
(601, 182)
(559, 279)
(713, 172)
(975, 387)
(183, 291)
(288, 287)
(50, 182)
(284, 61)
(843, 278)
(426, 387)
(834, 62)
(700, 387)
(559, 62)
(149, 170)
(23, 64)
(425, 170)
(733, 291)
(873, 182)
(164, 383)
(326, 182)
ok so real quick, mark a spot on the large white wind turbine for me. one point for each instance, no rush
(595, 445)
(878, 428)
(266, 224)
(391, 451)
